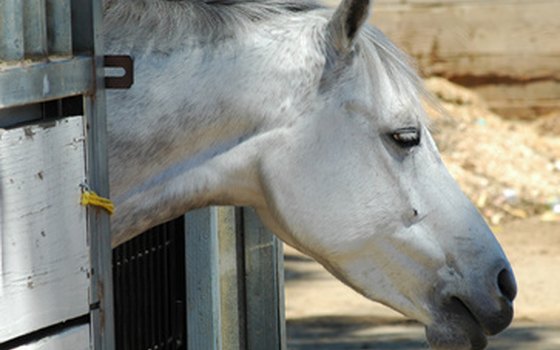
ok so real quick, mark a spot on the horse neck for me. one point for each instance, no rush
(176, 148)
(188, 112)
(207, 114)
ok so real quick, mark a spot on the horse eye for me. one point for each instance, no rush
(406, 137)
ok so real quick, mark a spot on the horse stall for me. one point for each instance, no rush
(55, 275)
(212, 279)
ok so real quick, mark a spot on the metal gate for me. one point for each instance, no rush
(149, 288)
(213, 281)
(218, 266)
(55, 276)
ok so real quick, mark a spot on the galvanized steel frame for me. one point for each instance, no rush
(50, 49)
(235, 281)
(234, 269)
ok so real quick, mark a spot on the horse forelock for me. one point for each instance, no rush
(386, 61)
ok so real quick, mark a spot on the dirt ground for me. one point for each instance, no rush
(324, 314)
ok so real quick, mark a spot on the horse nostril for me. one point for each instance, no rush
(506, 283)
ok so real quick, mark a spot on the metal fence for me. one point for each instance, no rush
(51, 70)
(219, 267)
(210, 281)
(149, 288)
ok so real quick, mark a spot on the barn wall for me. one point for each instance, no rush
(506, 50)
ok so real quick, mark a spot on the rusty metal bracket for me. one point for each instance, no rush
(119, 61)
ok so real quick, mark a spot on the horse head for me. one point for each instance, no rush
(314, 119)
(361, 188)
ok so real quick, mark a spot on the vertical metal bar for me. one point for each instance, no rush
(138, 305)
(165, 285)
(173, 273)
(181, 285)
(203, 292)
(11, 30)
(59, 27)
(152, 285)
(35, 28)
(87, 22)
(230, 277)
(130, 305)
(100, 233)
(264, 284)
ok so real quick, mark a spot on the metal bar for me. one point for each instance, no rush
(203, 291)
(102, 319)
(59, 27)
(265, 326)
(152, 265)
(165, 285)
(231, 275)
(179, 308)
(46, 81)
(35, 28)
(11, 30)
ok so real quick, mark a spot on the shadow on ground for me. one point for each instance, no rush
(352, 333)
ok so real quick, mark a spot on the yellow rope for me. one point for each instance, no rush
(91, 198)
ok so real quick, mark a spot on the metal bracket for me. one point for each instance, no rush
(119, 61)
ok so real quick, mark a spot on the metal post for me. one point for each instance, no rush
(203, 288)
(264, 286)
(235, 282)
(86, 25)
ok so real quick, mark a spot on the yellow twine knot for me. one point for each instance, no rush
(91, 198)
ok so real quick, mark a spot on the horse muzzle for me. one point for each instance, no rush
(464, 319)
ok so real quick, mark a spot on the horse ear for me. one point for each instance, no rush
(345, 24)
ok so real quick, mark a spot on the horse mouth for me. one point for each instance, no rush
(457, 329)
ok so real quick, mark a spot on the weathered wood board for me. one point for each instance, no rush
(76, 338)
(44, 255)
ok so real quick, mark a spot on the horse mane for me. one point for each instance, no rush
(380, 52)
(161, 26)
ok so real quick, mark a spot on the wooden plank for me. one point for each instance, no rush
(264, 286)
(76, 338)
(44, 276)
(203, 289)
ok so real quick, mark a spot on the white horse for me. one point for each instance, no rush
(314, 119)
